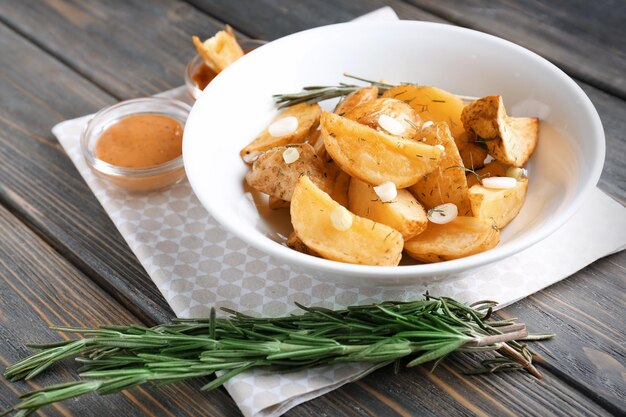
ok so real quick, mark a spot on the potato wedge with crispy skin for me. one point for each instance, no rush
(463, 236)
(498, 205)
(308, 116)
(219, 51)
(364, 242)
(295, 243)
(356, 99)
(404, 213)
(432, 104)
(271, 175)
(511, 140)
(369, 113)
(375, 157)
(447, 183)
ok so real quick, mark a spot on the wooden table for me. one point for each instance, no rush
(62, 262)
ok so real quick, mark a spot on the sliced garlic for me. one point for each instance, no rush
(515, 172)
(283, 127)
(428, 124)
(499, 182)
(386, 191)
(488, 159)
(391, 125)
(251, 157)
(443, 213)
(340, 218)
(290, 155)
(441, 148)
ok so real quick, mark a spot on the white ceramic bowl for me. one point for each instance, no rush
(238, 104)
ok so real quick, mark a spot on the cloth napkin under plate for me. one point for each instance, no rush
(196, 264)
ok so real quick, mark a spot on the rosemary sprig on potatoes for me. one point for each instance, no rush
(115, 358)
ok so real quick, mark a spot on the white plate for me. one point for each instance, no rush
(238, 104)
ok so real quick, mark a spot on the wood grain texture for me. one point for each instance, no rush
(128, 48)
(40, 184)
(39, 289)
(587, 39)
(272, 19)
(586, 312)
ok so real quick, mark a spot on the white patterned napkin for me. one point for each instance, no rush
(196, 265)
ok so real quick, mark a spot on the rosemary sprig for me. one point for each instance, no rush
(115, 358)
(317, 93)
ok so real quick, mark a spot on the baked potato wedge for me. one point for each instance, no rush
(447, 183)
(369, 114)
(404, 213)
(463, 236)
(294, 242)
(339, 189)
(271, 175)
(375, 157)
(499, 206)
(356, 99)
(219, 51)
(511, 140)
(432, 104)
(362, 242)
(308, 116)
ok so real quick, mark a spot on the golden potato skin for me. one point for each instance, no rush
(356, 99)
(271, 175)
(405, 214)
(375, 157)
(368, 114)
(447, 183)
(432, 104)
(365, 242)
(308, 116)
(463, 236)
(500, 206)
(511, 140)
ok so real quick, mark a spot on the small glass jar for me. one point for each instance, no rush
(134, 179)
(195, 65)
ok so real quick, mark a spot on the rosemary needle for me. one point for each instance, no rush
(317, 93)
(115, 358)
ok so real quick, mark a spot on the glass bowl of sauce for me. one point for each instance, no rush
(198, 75)
(137, 144)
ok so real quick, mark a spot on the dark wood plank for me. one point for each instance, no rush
(40, 183)
(271, 19)
(39, 289)
(129, 48)
(587, 39)
(586, 312)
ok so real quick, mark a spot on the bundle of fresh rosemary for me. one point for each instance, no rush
(120, 357)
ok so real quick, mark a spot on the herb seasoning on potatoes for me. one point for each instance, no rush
(393, 169)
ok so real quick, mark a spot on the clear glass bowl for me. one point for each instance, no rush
(195, 64)
(134, 179)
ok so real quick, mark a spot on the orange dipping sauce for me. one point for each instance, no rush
(140, 141)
